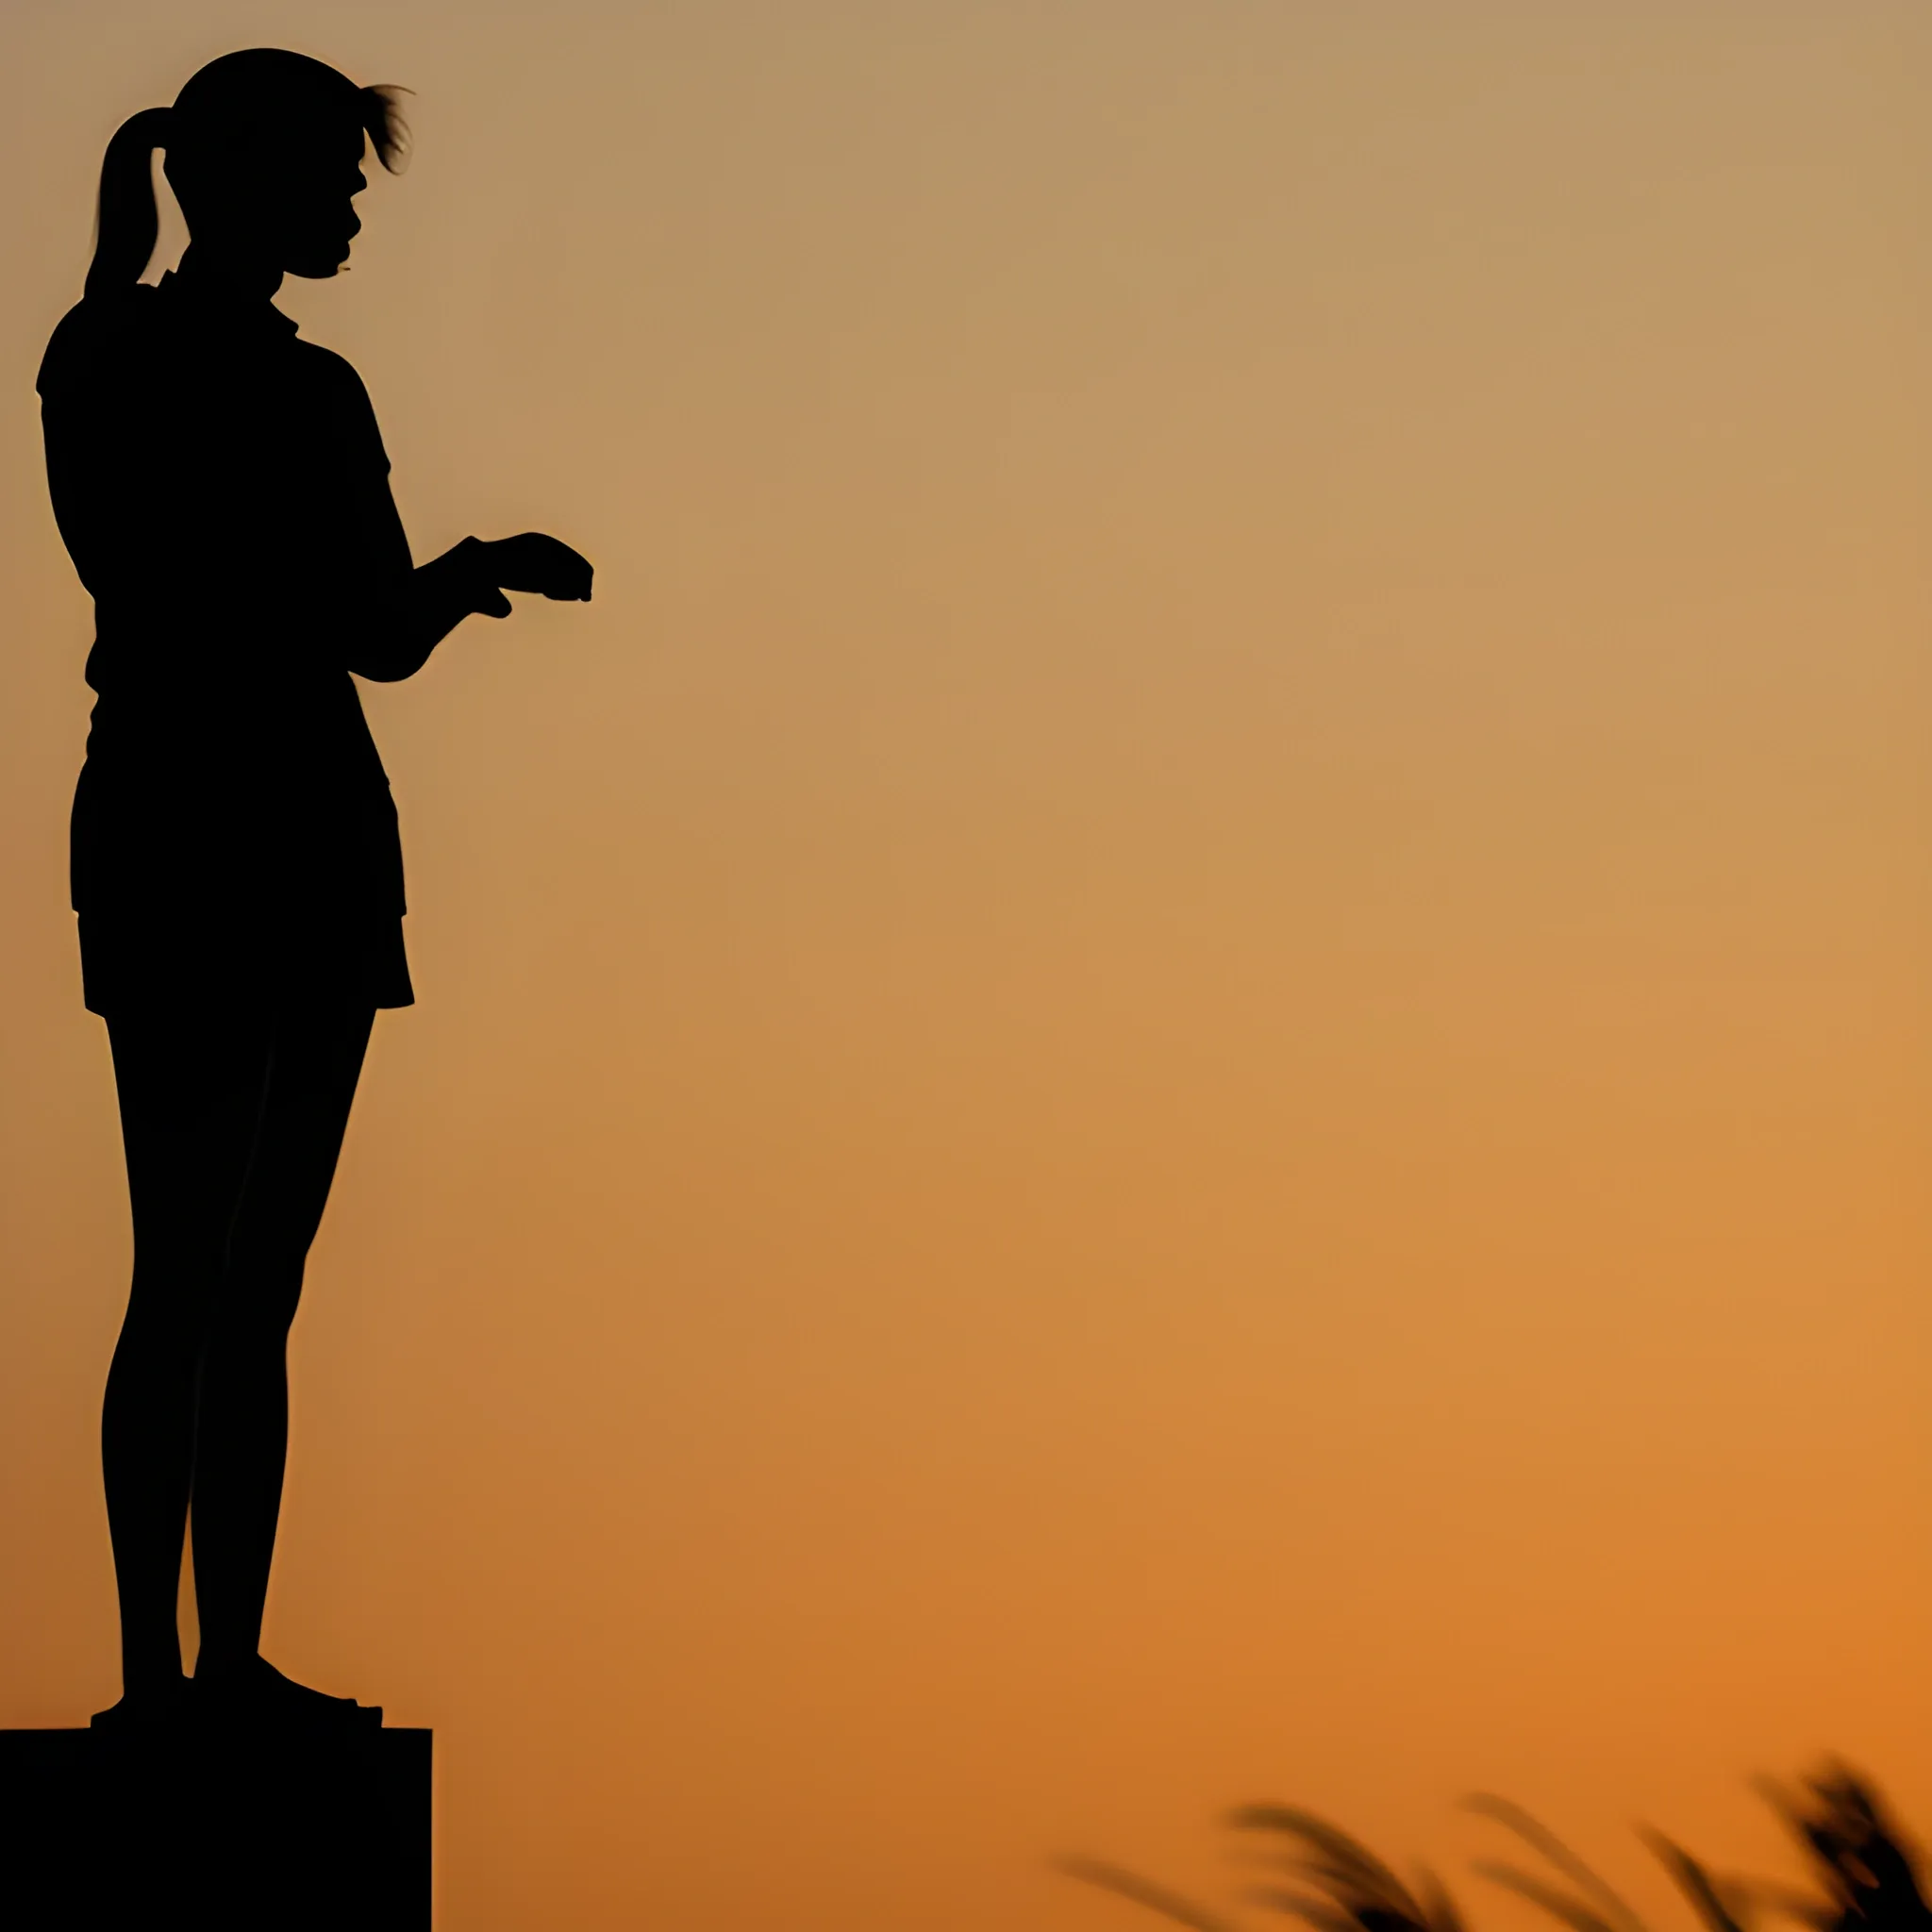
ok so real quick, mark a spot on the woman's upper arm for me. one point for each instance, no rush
(97, 398)
(381, 544)
(87, 481)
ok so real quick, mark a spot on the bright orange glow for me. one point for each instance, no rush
(1184, 1054)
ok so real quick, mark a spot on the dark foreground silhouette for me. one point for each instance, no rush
(108, 1830)
(1865, 1880)
(223, 489)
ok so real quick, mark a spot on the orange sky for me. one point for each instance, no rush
(1184, 1054)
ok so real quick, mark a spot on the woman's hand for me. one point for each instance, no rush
(401, 629)
(532, 562)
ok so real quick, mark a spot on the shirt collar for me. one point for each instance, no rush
(213, 306)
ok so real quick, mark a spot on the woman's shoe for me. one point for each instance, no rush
(152, 1708)
(257, 1695)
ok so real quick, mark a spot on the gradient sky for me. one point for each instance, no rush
(1184, 1057)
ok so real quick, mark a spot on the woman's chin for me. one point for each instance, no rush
(317, 271)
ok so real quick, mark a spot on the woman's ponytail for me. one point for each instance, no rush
(127, 223)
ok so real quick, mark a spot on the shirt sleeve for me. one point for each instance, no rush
(375, 558)
(99, 460)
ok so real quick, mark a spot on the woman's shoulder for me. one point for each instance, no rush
(325, 370)
(96, 336)
(332, 381)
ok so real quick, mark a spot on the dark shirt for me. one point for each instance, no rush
(223, 489)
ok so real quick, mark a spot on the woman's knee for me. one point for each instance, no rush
(259, 1298)
(173, 1300)
(165, 1343)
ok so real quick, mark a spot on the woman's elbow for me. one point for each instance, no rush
(387, 651)
(381, 667)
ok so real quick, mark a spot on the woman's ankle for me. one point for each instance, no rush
(218, 1665)
(151, 1676)
(151, 1694)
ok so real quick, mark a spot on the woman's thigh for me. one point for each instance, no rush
(232, 1121)
(314, 1061)
(190, 1083)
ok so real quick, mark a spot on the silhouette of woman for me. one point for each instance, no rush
(222, 488)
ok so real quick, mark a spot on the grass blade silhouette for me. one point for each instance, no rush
(1608, 1914)
(1869, 1876)
(1540, 1891)
(1358, 1891)
(1708, 1895)
(1143, 1891)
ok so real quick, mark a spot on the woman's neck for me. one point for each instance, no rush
(229, 273)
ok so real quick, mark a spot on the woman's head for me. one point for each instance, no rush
(264, 152)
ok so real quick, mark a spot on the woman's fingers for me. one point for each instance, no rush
(536, 562)
(571, 581)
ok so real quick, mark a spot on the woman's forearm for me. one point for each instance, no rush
(425, 608)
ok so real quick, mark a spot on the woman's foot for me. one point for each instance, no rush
(146, 1706)
(254, 1692)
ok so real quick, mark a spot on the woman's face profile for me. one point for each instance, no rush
(310, 216)
(286, 202)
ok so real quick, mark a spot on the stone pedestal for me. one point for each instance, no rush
(217, 1829)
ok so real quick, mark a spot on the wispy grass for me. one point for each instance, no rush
(1864, 1878)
